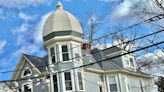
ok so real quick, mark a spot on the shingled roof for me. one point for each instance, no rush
(41, 63)
(38, 62)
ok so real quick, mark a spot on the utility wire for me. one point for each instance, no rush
(92, 52)
(83, 66)
(154, 18)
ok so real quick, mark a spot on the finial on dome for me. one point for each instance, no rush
(59, 6)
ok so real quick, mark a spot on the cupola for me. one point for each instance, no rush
(61, 24)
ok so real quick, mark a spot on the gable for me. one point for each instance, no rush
(22, 64)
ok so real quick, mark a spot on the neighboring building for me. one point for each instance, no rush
(5, 88)
(63, 41)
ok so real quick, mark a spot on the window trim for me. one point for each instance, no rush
(52, 55)
(57, 80)
(82, 80)
(72, 83)
(68, 52)
(27, 68)
(128, 62)
(27, 83)
(117, 82)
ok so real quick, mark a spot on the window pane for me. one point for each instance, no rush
(112, 80)
(67, 76)
(112, 84)
(77, 56)
(65, 57)
(113, 87)
(53, 59)
(27, 89)
(55, 83)
(52, 51)
(80, 81)
(27, 72)
(64, 48)
(131, 62)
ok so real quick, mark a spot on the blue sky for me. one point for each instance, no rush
(21, 23)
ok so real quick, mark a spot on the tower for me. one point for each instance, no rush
(62, 35)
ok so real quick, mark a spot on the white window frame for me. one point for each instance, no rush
(55, 54)
(61, 53)
(27, 84)
(128, 62)
(82, 79)
(57, 82)
(27, 74)
(72, 83)
(117, 82)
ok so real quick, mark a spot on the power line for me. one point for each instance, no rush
(83, 66)
(157, 32)
(154, 18)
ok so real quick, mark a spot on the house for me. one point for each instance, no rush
(4, 87)
(67, 67)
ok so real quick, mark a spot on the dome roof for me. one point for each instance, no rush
(61, 20)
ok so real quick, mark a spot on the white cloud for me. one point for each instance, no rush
(110, 0)
(26, 17)
(22, 28)
(39, 28)
(22, 3)
(2, 45)
(156, 58)
(29, 37)
(2, 16)
(102, 46)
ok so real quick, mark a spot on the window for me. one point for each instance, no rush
(65, 53)
(52, 52)
(126, 58)
(27, 88)
(68, 82)
(100, 88)
(80, 81)
(55, 83)
(131, 62)
(77, 56)
(26, 72)
(112, 84)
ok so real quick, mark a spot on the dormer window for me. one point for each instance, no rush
(26, 72)
(129, 61)
(65, 55)
(52, 52)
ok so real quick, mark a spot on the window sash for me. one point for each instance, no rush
(55, 83)
(27, 89)
(113, 84)
(68, 81)
(52, 53)
(65, 55)
(80, 81)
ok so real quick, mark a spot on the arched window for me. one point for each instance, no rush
(26, 72)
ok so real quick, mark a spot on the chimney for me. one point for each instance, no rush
(86, 46)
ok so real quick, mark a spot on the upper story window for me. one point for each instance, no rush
(113, 84)
(129, 61)
(26, 72)
(65, 55)
(68, 81)
(80, 81)
(77, 53)
(52, 53)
